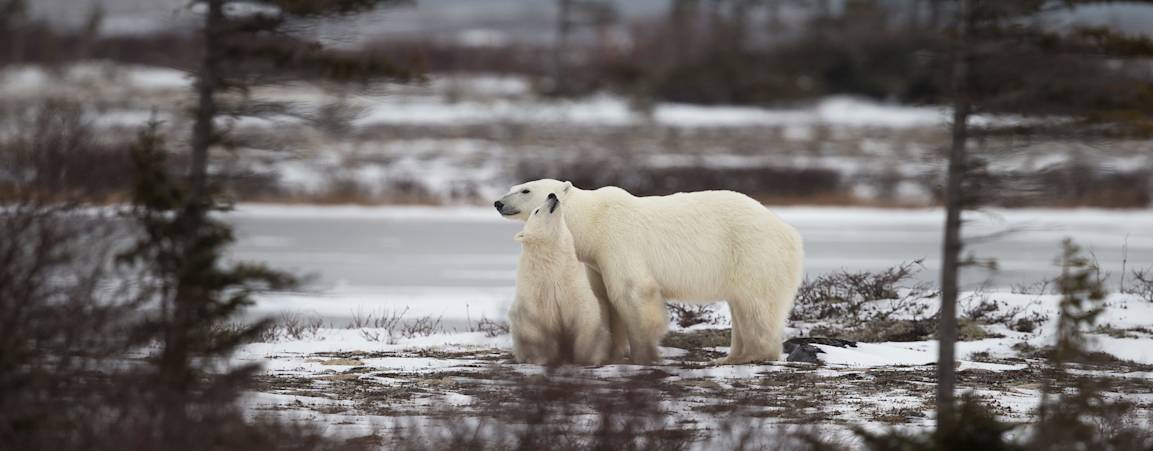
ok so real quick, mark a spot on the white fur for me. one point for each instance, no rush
(689, 247)
(556, 318)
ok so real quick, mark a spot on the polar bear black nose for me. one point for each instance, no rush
(498, 204)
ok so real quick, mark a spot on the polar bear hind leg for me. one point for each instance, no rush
(758, 328)
(736, 345)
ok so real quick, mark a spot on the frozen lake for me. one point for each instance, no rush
(461, 262)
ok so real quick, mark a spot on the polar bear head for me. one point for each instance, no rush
(522, 199)
(545, 224)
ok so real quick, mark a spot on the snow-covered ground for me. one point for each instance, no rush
(392, 332)
(354, 382)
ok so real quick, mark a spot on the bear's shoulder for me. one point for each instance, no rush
(611, 191)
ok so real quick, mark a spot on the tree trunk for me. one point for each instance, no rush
(175, 360)
(564, 22)
(934, 13)
(207, 80)
(951, 250)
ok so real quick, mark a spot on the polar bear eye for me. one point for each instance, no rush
(524, 192)
(536, 211)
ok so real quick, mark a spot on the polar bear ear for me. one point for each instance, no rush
(567, 185)
(519, 236)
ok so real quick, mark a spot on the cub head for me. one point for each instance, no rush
(521, 199)
(545, 223)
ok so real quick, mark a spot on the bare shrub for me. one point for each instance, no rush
(688, 315)
(51, 149)
(421, 327)
(491, 328)
(1034, 288)
(376, 335)
(388, 320)
(981, 309)
(335, 118)
(297, 327)
(57, 324)
(867, 306)
(391, 325)
(1141, 285)
(268, 332)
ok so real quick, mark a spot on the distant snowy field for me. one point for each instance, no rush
(462, 138)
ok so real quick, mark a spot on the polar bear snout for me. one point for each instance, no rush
(552, 202)
(504, 209)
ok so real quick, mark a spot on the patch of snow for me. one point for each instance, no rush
(849, 111)
(1138, 350)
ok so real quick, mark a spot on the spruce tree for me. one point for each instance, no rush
(1074, 82)
(181, 247)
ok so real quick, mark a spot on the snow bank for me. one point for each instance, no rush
(27, 79)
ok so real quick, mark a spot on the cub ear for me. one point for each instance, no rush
(567, 185)
(519, 236)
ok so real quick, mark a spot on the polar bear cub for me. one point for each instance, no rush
(556, 317)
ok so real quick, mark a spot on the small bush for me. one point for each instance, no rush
(867, 306)
(974, 427)
(388, 320)
(689, 315)
(296, 327)
(981, 309)
(1141, 284)
(391, 326)
(52, 149)
(422, 327)
(491, 328)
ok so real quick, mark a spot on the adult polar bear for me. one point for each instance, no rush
(696, 247)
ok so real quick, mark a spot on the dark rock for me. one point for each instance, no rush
(801, 349)
(821, 341)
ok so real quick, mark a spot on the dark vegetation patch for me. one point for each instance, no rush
(867, 306)
(765, 183)
(689, 315)
(696, 339)
(1072, 184)
(52, 150)
(1139, 283)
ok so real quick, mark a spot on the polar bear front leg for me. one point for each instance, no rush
(591, 345)
(619, 339)
(532, 343)
(637, 299)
